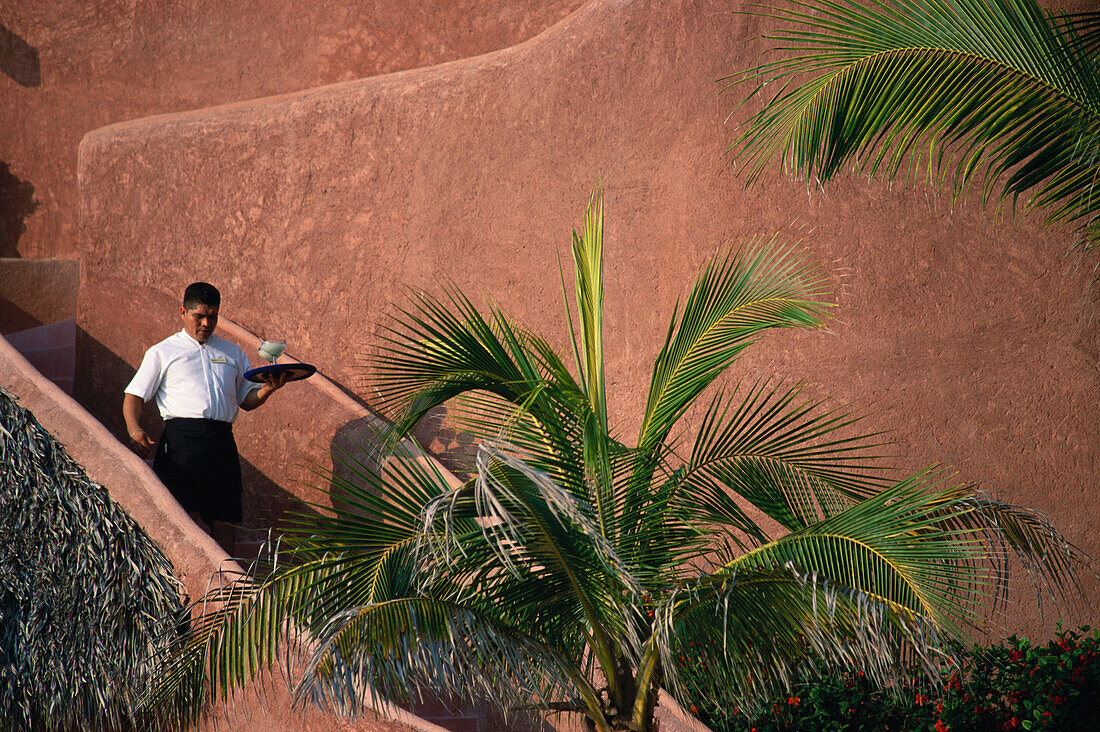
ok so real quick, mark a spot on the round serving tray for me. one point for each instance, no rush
(294, 371)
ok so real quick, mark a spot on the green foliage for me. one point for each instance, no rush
(568, 569)
(996, 91)
(87, 601)
(1008, 686)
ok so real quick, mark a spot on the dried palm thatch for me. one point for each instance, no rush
(87, 600)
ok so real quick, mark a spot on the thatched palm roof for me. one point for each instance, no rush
(87, 600)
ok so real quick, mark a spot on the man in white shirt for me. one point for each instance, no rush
(198, 382)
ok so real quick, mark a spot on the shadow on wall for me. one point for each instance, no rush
(18, 59)
(14, 318)
(17, 202)
(101, 378)
(455, 449)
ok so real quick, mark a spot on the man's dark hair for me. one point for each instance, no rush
(201, 293)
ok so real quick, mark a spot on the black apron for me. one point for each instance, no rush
(197, 460)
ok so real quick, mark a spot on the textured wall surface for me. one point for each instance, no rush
(36, 292)
(972, 334)
(70, 66)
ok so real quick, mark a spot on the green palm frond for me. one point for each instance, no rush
(588, 264)
(442, 349)
(566, 569)
(1019, 533)
(393, 650)
(793, 458)
(543, 536)
(364, 550)
(242, 628)
(991, 88)
(873, 547)
(740, 637)
(734, 299)
(900, 577)
(1086, 27)
(938, 551)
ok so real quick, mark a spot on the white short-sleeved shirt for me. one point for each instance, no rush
(191, 379)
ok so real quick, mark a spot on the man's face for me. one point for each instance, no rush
(200, 321)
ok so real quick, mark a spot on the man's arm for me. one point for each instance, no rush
(256, 397)
(131, 412)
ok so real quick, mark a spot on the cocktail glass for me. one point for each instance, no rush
(270, 350)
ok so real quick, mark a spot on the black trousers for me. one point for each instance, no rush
(197, 460)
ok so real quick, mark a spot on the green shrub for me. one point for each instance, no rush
(1010, 686)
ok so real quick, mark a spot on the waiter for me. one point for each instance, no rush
(198, 381)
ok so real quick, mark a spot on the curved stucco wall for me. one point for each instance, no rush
(70, 66)
(973, 335)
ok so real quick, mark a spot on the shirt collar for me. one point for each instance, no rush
(187, 337)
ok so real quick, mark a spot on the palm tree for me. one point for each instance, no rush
(999, 91)
(572, 571)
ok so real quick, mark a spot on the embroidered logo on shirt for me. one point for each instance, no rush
(218, 359)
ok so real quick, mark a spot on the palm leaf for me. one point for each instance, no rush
(434, 354)
(392, 650)
(744, 634)
(937, 551)
(995, 88)
(734, 299)
(364, 549)
(588, 267)
(794, 459)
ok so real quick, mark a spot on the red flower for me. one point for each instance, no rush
(920, 700)
(940, 726)
(794, 701)
(694, 709)
(939, 707)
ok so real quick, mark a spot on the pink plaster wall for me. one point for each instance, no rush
(971, 333)
(70, 66)
(36, 292)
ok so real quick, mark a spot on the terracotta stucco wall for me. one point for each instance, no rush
(972, 334)
(70, 66)
(35, 292)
